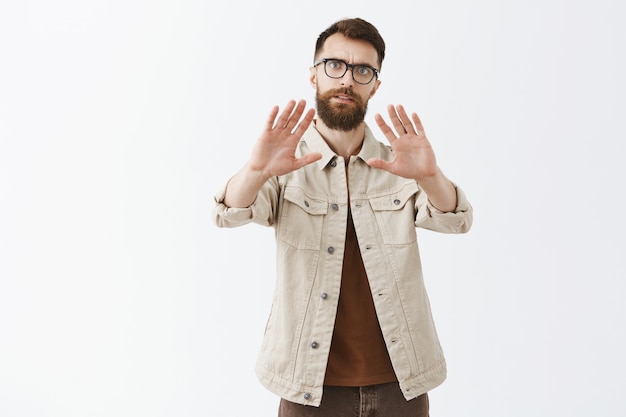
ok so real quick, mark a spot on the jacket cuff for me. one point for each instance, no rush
(225, 216)
(457, 221)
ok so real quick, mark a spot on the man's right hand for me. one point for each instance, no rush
(273, 154)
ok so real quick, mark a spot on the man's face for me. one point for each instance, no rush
(342, 102)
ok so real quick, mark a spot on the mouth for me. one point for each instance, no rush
(344, 98)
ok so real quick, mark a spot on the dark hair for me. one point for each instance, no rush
(354, 29)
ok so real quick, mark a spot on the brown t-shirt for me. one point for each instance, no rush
(358, 355)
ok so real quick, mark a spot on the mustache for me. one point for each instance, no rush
(343, 91)
(346, 91)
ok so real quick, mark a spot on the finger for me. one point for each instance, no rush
(379, 163)
(406, 122)
(418, 124)
(395, 120)
(385, 128)
(281, 123)
(304, 123)
(271, 118)
(295, 115)
(307, 159)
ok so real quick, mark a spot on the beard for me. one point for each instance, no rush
(340, 116)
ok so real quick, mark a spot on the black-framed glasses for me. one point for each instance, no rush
(336, 68)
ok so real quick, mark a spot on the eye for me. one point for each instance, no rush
(363, 70)
(334, 64)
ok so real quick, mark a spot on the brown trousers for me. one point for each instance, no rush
(384, 400)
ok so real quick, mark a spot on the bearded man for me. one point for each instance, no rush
(350, 330)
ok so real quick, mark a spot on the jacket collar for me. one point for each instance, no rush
(316, 143)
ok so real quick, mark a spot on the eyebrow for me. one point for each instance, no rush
(363, 64)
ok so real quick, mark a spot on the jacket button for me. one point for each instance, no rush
(306, 203)
(331, 250)
(333, 163)
(396, 201)
(335, 206)
(314, 345)
(324, 296)
(307, 396)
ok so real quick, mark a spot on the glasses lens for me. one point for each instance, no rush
(362, 74)
(335, 68)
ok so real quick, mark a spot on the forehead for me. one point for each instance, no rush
(354, 51)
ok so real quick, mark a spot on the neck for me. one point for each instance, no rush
(343, 143)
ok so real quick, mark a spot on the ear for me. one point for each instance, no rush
(313, 77)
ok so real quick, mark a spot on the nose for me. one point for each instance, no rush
(347, 79)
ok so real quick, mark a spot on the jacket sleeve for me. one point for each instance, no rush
(457, 221)
(263, 211)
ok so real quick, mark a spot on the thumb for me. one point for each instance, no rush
(308, 159)
(379, 163)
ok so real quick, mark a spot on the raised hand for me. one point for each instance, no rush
(413, 156)
(274, 151)
(273, 154)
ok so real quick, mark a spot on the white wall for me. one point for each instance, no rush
(119, 119)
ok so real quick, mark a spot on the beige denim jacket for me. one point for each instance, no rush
(308, 209)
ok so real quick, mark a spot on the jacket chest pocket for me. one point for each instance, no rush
(301, 219)
(395, 215)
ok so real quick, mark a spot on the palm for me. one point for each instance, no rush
(413, 156)
(274, 152)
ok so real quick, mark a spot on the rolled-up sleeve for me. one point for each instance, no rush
(431, 218)
(262, 211)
